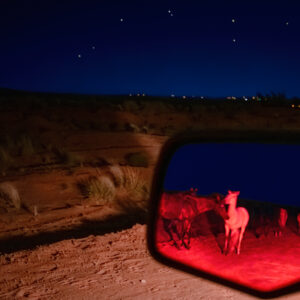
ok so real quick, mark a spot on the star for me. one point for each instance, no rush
(170, 13)
(234, 40)
(233, 20)
(121, 20)
(93, 47)
(286, 23)
(79, 55)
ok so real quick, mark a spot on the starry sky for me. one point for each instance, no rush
(261, 172)
(194, 48)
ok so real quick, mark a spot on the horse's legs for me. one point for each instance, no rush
(186, 232)
(240, 239)
(227, 230)
(170, 227)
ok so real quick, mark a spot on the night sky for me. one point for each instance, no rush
(261, 172)
(192, 48)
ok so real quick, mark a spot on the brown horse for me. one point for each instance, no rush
(179, 209)
(177, 213)
(281, 219)
(298, 222)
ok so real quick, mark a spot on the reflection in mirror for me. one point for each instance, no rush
(231, 210)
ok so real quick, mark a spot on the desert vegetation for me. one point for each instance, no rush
(9, 197)
(63, 151)
(124, 187)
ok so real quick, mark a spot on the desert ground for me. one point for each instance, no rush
(76, 172)
(266, 262)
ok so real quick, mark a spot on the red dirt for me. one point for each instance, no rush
(70, 250)
(265, 264)
(111, 266)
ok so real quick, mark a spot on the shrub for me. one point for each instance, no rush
(5, 160)
(117, 175)
(133, 183)
(25, 146)
(138, 159)
(132, 127)
(134, 192)
(101, 189)
(9, 196)
(66, 157)
(131, 106)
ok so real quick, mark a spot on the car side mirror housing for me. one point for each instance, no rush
(225, 205)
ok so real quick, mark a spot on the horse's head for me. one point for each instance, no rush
(231, 197)
(219, 205)
(193, 191)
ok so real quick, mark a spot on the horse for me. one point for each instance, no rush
(298, 222)
(280, 221)
(177, 213)
(235, 225)
(179, 209)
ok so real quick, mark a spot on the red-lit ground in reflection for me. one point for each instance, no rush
(265, 263)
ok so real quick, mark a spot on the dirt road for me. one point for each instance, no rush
(112, 266)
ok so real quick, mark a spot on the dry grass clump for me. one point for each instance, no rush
(9, 196)
(5, 160)
(124, 187)
(134, 192)
(100, 190)
(66, 157)
(117, 175)
(25, 145)
(137, 159)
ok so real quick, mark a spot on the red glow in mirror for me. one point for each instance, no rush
(241, 223)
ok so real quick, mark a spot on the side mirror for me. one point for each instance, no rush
(226, 206)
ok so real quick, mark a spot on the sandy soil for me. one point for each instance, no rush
(73, 249)
(116, 265)
(265, 264)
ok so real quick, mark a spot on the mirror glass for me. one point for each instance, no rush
(231, 210)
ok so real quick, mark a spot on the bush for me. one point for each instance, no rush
(9, 196)
(135, 186)
(132, 127)
(66, 157)
(123, 187)
(26, 147)
(101, 189)
(5, 160)
(138, 159)
(133, 194)
(131, 106)
(117, 175)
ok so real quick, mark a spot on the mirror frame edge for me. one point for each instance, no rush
(217, 136)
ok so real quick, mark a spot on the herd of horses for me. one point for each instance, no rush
(178, 210)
